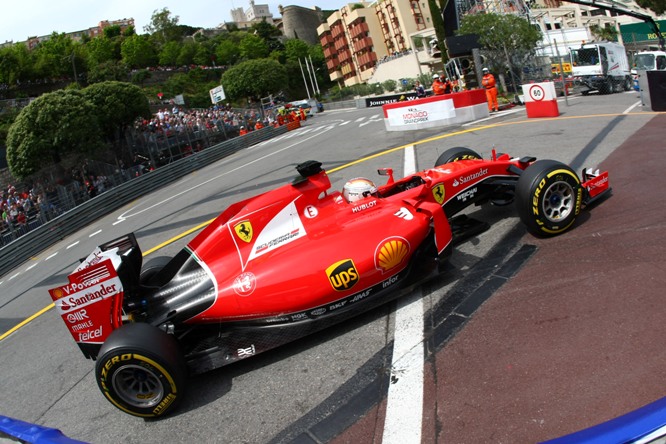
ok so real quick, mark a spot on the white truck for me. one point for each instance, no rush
(650, 61)
(601, 66)
(647, 61)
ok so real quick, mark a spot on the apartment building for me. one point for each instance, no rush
(558, 15)
(359, 35)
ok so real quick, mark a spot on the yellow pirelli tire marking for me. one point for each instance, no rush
(170, 398)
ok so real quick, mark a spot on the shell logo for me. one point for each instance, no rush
(57, 293)
(391, 253)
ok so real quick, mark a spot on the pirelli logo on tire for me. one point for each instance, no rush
(342, 275)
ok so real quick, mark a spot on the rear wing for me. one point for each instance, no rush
(91, 303)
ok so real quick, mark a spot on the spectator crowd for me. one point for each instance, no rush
(21, 208)
(24, 207)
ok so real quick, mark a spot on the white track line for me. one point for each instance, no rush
(628, 110)
(404, 405)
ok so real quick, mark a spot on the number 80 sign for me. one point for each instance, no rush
(538, 92)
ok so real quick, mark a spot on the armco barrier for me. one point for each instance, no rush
(58, 228)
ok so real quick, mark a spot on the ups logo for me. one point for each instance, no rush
(439, 193)
(244, 230)
(342, 275)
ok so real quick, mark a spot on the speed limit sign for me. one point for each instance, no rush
(537, 93)
(540, 99)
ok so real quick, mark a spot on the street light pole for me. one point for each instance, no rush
(508, 60)
(71, 56)
(76, 78)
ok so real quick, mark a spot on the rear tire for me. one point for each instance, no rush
(628, 84)
(456, 154)
(151, 268)
(607, 87)
(548, 198)
(140, 369)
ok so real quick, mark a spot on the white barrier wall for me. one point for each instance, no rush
(436, 111)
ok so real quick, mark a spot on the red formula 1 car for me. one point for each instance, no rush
(290, 262)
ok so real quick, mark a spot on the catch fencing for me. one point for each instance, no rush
(514, 68)
(44, 233)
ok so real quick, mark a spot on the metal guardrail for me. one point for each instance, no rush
(68, 223)
(342, 104)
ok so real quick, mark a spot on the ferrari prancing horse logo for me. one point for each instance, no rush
(244, 230)
(439, 193)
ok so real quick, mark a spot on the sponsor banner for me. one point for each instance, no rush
(383, 100)
(421, 113)
(217, 94)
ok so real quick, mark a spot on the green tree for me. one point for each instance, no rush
(227, 53)
(100, 50)
(16, 64)
(509, 41)
(112, 31)
(269, 33)
(58, 56)
(109, 70)
(296, 49)
(6, 120)
(163, 26)
(607, 33)
(141, 76)
(203, 56)
(169, 54)
(657, 6)
(187, 53)
(138, 52)
(116, 106)
(52, 127)
(498, 32)
(253, 47)
(129, 31)
(254, 78)
(389, 85)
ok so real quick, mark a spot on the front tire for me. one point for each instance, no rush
(456, 154)
(548, 198)
(140, 370)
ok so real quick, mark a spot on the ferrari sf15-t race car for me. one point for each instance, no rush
(289, 262)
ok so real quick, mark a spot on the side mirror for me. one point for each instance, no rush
(386, 172)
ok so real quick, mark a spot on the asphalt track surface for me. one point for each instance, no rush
(536, 341)
(574, 338)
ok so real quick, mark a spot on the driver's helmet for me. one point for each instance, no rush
(358, 188)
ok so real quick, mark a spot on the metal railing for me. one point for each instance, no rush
(43, 236)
